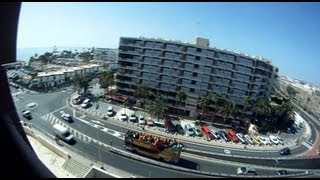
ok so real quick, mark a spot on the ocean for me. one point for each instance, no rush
(24, 54)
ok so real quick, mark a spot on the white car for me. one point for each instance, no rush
(84, 105)
(197, 131)
(248, 139)
(132, 118)
(26, 114)
(123, 117)
(142, 121)
(246, 170)
(215, 134)
(264, 140)
(241, 138)
(274, 139)
(66, 117)
(110, 111)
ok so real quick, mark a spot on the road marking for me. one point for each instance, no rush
(58, 109)
(227, 151)
(306, 145)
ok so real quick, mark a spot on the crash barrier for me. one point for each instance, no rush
(296, 163)
(46, 143)
(211, 174)
(96, 172)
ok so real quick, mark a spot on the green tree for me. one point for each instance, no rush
(142, 92)
(291, 91)
(262, 111)
(106, 79)
(247, 105)
(81, 84)
(85, 56)
(181, 96)
(203, 102)
(157, 107)
(227, 109)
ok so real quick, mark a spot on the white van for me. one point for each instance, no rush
(85, 103)
(62, 133)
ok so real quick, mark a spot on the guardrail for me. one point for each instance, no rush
(46, 143)
(307, 162)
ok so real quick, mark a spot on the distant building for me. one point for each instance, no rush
(62, 76)
(105, 54)
(197, 69)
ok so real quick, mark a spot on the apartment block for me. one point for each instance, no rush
(169, 66)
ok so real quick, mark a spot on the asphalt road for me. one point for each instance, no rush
(47, 103)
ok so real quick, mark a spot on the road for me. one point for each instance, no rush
(48, 110)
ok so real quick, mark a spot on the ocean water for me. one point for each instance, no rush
(24, 54)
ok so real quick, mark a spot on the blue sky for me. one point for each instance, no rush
(285, 33)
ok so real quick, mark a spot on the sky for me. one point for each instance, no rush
(285, 33)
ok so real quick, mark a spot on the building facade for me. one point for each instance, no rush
(105, 54)
(65, 75)
(197, 69)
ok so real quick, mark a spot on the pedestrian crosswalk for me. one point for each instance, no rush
(52, 119)
(307, 144)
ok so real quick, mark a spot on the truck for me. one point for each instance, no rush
(162, 149)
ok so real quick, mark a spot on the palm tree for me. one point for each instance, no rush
(106, 79)
(157, 107)
(262, 110)
(81, 83)
(246, 105)
(203, 103)
(227, 109)
(283, 112)
(180, 97)
(143, 93)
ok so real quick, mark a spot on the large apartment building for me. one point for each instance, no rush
(197, 69)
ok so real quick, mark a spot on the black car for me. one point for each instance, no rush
(179, 129)
(223, 135)
(285, 151)
(282, 172)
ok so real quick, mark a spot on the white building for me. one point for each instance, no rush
(53, 78)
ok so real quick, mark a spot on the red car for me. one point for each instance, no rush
(206, 131)
(232, 136)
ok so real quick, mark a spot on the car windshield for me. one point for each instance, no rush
(66, 134)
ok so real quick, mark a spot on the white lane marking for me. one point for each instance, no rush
(58, 109)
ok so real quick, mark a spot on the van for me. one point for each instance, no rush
(62, 133)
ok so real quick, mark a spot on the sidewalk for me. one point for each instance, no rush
(101, 112)
(49, 158)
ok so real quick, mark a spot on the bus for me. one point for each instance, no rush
(163, 149)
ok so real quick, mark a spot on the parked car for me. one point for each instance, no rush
(248, 139)
(264, 140)
(189, 130)
(132, 118)
(256, 140)
(110, 111)
(197, 131)
(232, 136)
(150, 122)
(206, 132)
(285, 151)
(123, 117)
(66, 117)
(215, 134)
(223, 135)
(274, 139)
(282, 172)
(246, 170)
(179, 129)
(241, 138)
(26, 114)
(141, 120)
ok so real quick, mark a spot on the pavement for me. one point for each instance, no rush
(290, 140)
(53, 161)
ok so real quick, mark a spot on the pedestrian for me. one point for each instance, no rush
(245, 146)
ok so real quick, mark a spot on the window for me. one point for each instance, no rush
(191, 90)
(196, 66)
(193, 82)
(198, 58)
(195, 74)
